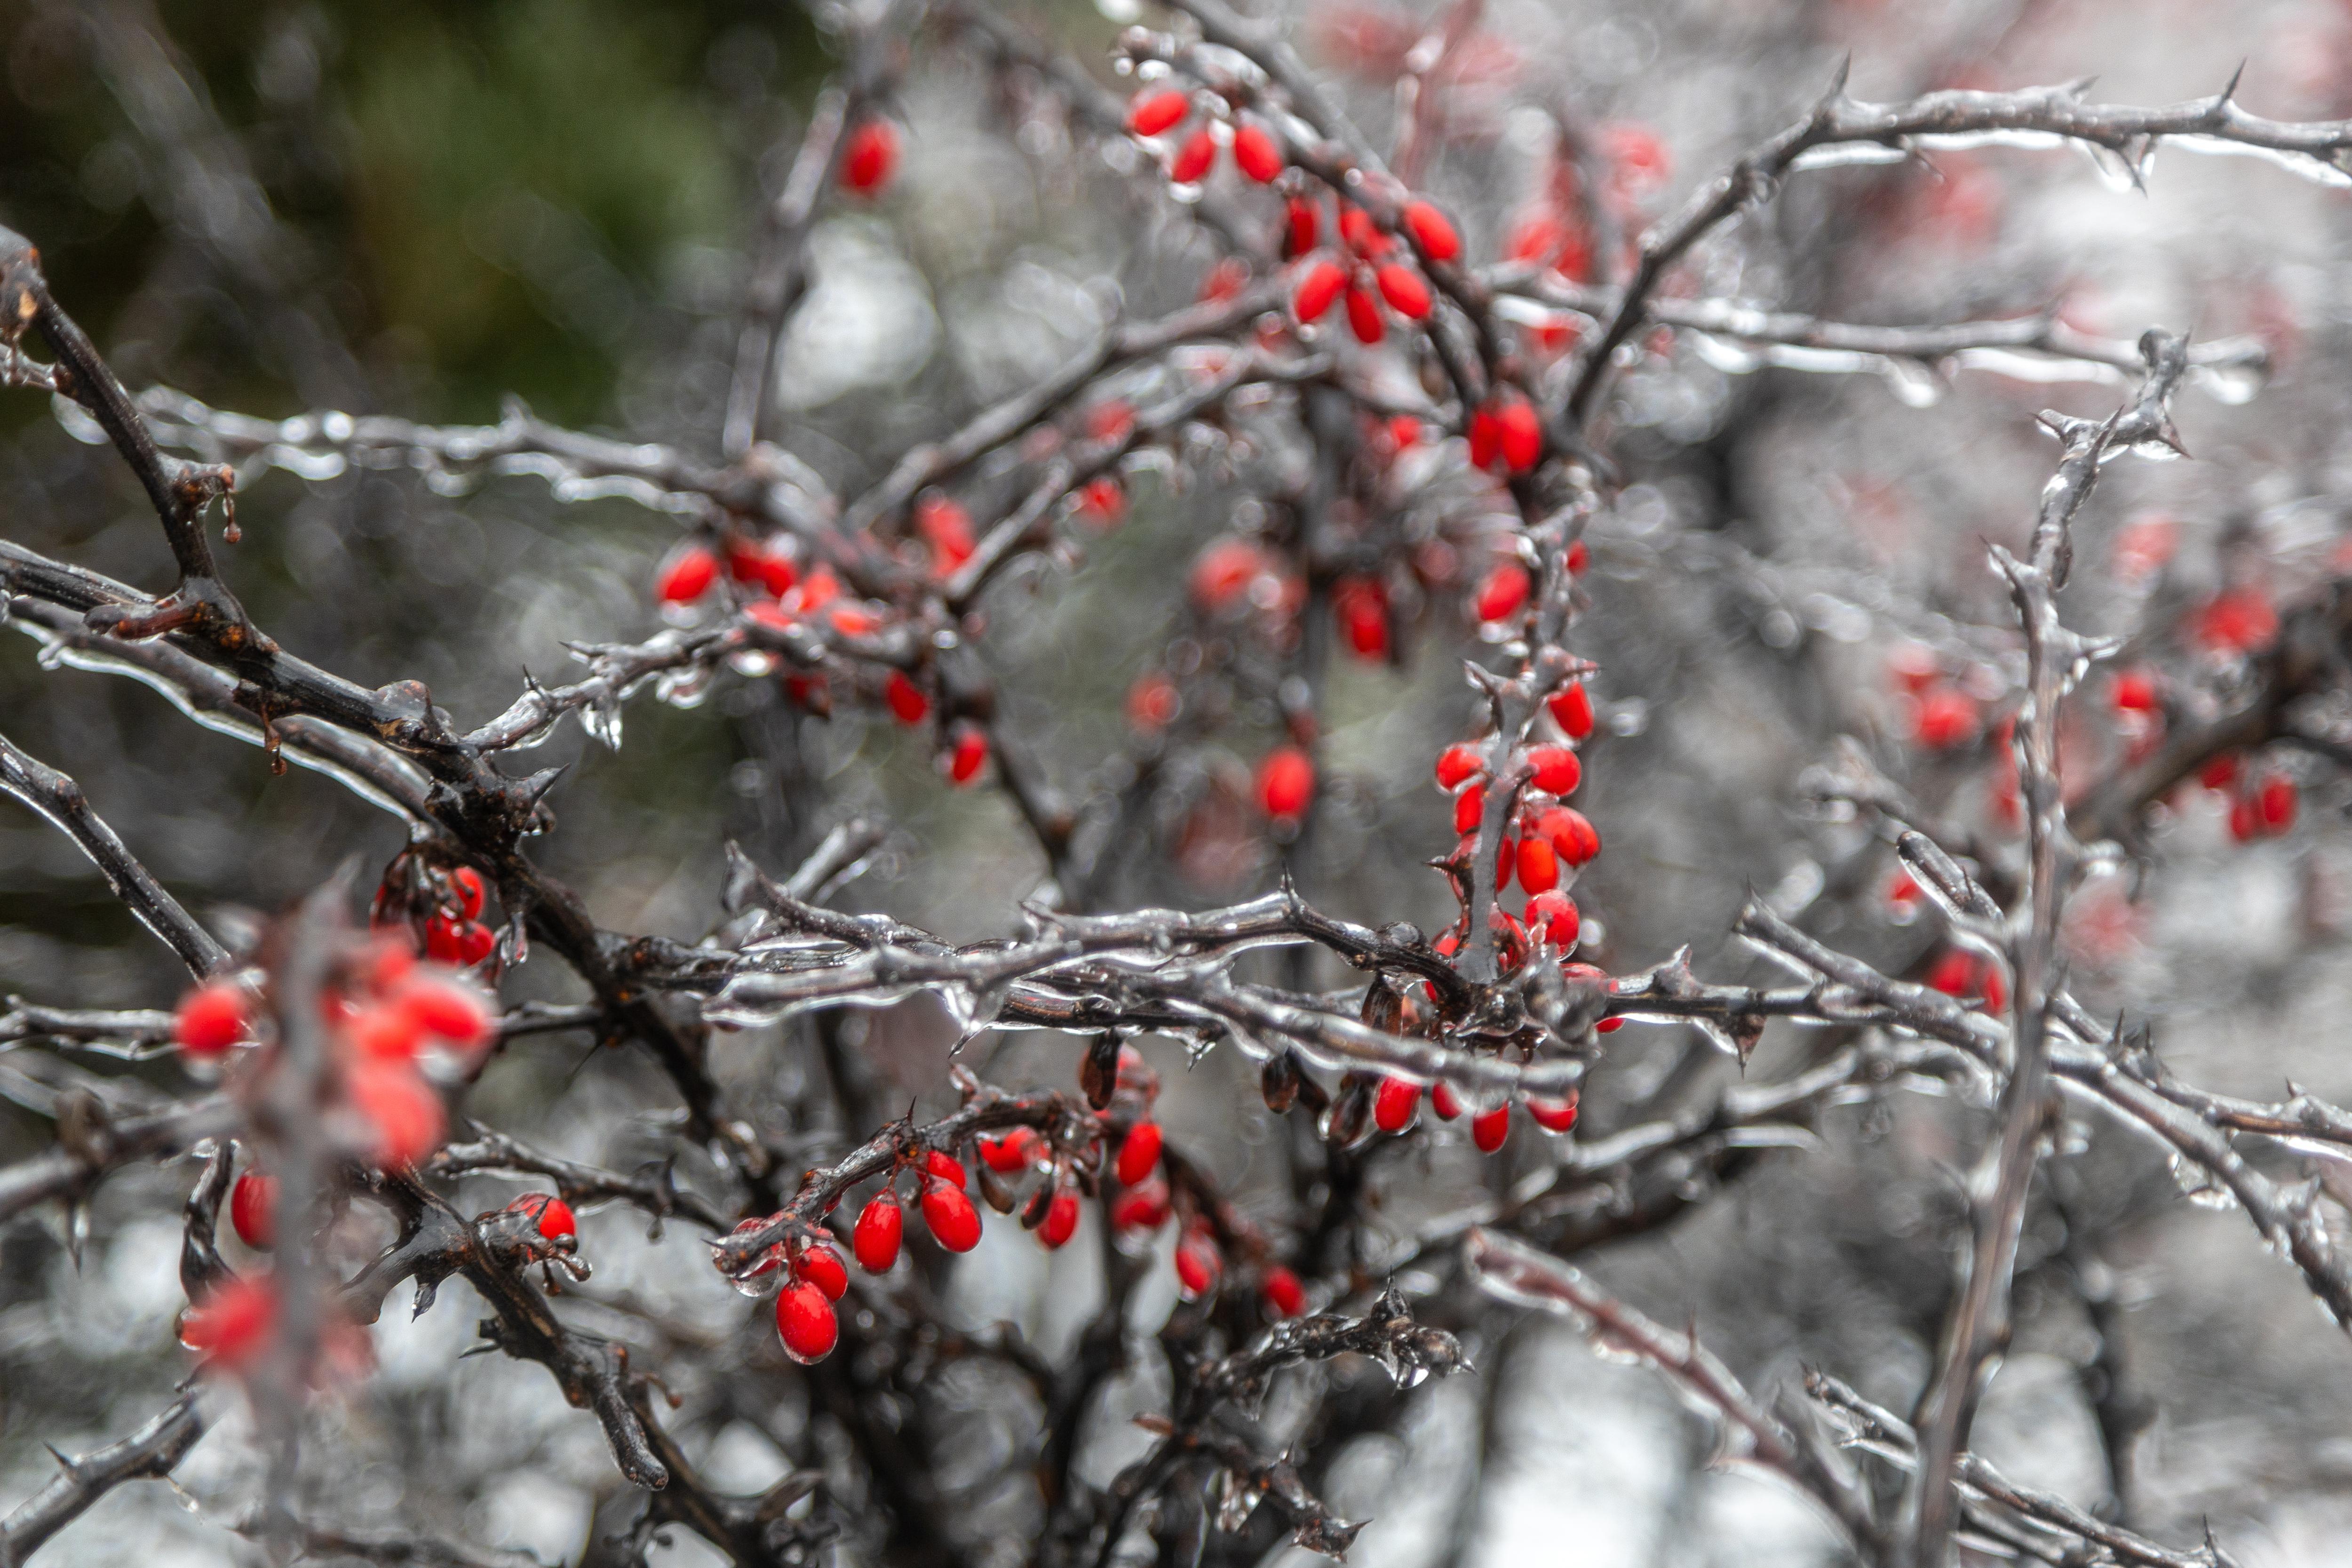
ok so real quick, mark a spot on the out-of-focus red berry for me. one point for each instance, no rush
(1154, 111)
(253, 1210)
(1945, 719)
(1551, 914)
(1553, 1115)
(1284, 1296)
(1488, 1129)
(1192, 160)
(968, 756)
(1061, 1221)
(1404, 289)
(234, 1324)
(1364, 317)
(1456, 764)
(870, 157)
(1256, 152)
(1285, 783)
(1139, 1154)
(1432, 231)
(1503, 592)
(687, 575)
(212, 1017)
(404, 1113)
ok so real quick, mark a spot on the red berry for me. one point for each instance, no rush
(2237, 620)
(1537, 865)
(253, 1210)
(1364, 317)
(1139, 1154)
(804, 1321)
(946, 530)
(1285, 783)
(1572, 709)
(1489, 1128)
(441, 940)
(233, 1323)
(1284, 1296)
(2221, 772)
(1151, 702)
(1946, 718)
(1362, 235)
(946, 1167)
(687, 575)
(1573, 836)
(2135, 691)
(879, 1227)
(1102, 503)
(1486, 439)
(1198, 1266)
(555, 1220)
(402, 1111)
(968, 757)
(1557, 771)
(1150, 113)
(1224, 572)
(870, 157)
(1014, 1151)
(1061, 1220)
(1443, 1100)
(1506, 858)
(1144, 1208)
(1579, 557)
(389, 1032)
(475, 942)
(1404, 290)
(1470, 809)
(1458, 763)
(2275, 801)
(468, 882)
(1502, 593)
(1432, 231)
(1395, 1103)
(1256, 152)
(907, 703)
(1549, 914)
(822, 1266)
(1554, 1115)
(1954, 974)
(1300, 233)
(1519, 434)
(211, 1018)
(2245, 821)
(954, 1222)
(1361, 607)
(1193, 158)
(453, 1012)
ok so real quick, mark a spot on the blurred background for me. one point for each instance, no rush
(428, 209)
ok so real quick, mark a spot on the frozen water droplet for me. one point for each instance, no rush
(602, 722)
(1914, 384)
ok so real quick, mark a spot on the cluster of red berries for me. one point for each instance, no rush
(1156, 112)
(1368, 270)
(388, 1015)
(2261, 805)
(437, 908)
(1397, 1102)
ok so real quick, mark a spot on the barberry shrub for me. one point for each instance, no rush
(1046, 805)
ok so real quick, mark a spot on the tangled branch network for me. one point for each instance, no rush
(1413, 442)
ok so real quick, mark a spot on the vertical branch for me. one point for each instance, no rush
(1979, 1328)
(779, 274)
